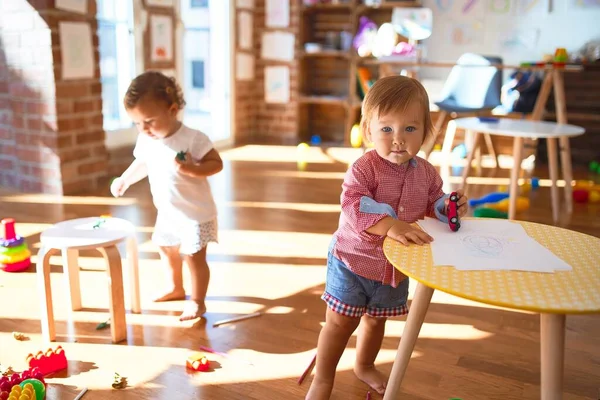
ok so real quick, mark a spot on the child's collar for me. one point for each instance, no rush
(413, 162)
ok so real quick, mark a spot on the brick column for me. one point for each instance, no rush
(51, 135)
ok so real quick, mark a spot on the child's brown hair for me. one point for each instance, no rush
(156, 85)
(394, 94)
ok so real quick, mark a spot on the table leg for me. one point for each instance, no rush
(472, 151)
(552, 334)
(553, 167)
(45, 293)
(116, 298)
(134, 276)
(414, 321)
(71, 271)
(514, 177)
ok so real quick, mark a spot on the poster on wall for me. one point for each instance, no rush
(76, 50)
(530, 7)
(244, 67)
(78, 6)
(278, 46)
(277, 85)
(520, 39)
(159, 3)
(249, 4)
(161, 38)
(466, 33)
(500, 6)
(277, 13)
(245, 30)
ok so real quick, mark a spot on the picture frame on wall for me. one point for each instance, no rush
(160, 54)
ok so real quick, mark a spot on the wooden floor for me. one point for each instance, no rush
(275, 225)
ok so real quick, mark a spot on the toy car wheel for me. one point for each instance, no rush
(454, 198)
(454, 220)
(457, 225)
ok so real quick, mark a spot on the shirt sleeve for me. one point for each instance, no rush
(436, 198)
(201, 145)
(140, 148)
(355, 189)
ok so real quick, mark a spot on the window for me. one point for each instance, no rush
(198, 74)
(117, 62)
(198, 3)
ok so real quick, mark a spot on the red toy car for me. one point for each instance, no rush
(452, 212)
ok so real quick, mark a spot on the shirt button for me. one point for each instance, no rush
(401, 209)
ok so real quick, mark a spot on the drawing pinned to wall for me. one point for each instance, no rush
(585, 3)
(530, 7)
(244, 66)
(76, 50)
(277, 84)
(515, 39)
(466, 33)
(78, 6)
(278, 46)
(277, 13)
(473, 8)
(161, 38)
(245, 30)
(444, 5)
(500, 6)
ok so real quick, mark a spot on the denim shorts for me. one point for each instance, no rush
(351, 295)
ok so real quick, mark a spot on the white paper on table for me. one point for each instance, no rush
(245, 30)
(489, 245)
(76, 50)
(278, 13)
(278, 46)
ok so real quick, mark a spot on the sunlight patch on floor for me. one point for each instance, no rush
(80, 200)
(262, 153)
(307, 207)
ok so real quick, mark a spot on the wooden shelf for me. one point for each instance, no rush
(325, 6)
(326, 53)
(323, 100)
(361, 8)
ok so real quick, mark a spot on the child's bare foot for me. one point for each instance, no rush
(192, 310)
(175, 294)
(319, 390)
(372, 377)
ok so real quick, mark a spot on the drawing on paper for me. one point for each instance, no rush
(444, 5)
(483, 246)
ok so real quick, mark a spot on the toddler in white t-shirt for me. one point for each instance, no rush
(177, 161)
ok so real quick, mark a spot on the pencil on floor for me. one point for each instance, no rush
(80, 395)
(234, 319)
(308, 369)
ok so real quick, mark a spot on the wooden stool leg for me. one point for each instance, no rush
(553, 166)
(414, 321)
(437, 129)
(567, 168)
(490, 147)
(116, 298)
(71, 272)
(448, 141)
(134, 276)
(514, 177)
(45, 293)
(472, 152)
(552, 335)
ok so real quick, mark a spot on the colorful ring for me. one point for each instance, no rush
(12, 250)
(16, 267)
(17, 241)
(14, 258)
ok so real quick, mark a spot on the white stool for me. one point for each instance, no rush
(73, 235)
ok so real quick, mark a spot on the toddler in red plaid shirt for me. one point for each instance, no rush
(384, 192)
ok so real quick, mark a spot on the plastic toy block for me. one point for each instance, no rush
(198, 362)
(14, 254)
(48, 362)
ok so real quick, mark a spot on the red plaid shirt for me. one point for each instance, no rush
(411, 189)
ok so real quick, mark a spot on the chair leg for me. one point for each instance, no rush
(71, 271)
(439, 123)
(448, 141)
(490, 147)
(134, 279)
(45, 293)
(472, 152)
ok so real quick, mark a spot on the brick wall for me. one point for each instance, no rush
(51, 134)
(255, 119)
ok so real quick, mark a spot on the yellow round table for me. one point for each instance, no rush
(552, 295)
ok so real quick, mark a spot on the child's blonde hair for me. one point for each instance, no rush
(394, 94)
(156, 85)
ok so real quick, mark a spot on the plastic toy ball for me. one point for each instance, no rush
(535, 183)
(303, 147)
(595, 166)
(355, 136)
(315, 140)
(594, 197)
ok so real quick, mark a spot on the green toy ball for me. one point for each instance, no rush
(595, 166)
(38, 387)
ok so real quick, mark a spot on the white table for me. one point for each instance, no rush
(519, 130)
(69, 237)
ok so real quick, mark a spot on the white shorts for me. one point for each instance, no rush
(190, 236)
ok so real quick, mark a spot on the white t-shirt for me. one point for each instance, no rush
(176, 195)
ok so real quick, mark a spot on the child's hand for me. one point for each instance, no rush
(463, 205)
(183, 166)
(405, 233)
(118, 187)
